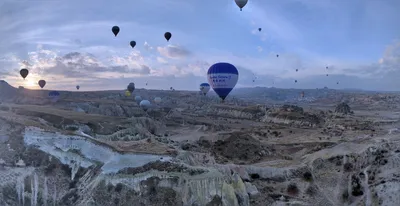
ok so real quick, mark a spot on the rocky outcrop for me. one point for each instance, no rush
(251, 113)
(343, 108)
(294, 115)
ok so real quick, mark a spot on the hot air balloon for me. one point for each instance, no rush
(157, 100)
(295, 81)
(204, 88)
(138, 99)
(259, 29)
(24, 73)
(223, 78)
(171, 88)
(127, 93)
(167, 36)
(42, 83)
(131, 87)
(337, 82)
(277, 55)
(297, 70)
(54, 96)
(77, 87)
(145, 105)
(327, 74)
(115, 30)
(241, 3)
(133, 44)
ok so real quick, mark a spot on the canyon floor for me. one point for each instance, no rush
(100, 148)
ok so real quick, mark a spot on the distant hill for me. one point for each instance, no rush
(7, 91)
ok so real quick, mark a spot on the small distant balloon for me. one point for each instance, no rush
(24, 73)
(145, 105)
(138, 99)
(277, 55)
(42, 83)
(77, 87)
(115, 30)
(54, 96)
(241, 3)
(326, 67)
(337, 82)
(133, 44)
(297, 70)
(167, 36)
(327, 74)
(295, 81)
(259, 29)
(157, 100)
(131, 87)
(171, 88)
(204, 88)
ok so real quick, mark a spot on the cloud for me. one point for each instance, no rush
(147, 46)
(390, 60)
(173, 52)
(162, 60)
(83, 65)
(69, 41)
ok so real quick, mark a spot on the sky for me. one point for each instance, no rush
(69, 43)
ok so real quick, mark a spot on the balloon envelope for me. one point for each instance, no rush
(54, 96)
(167, 36)
(204, 88)
(145, 105)
(241, 3)
(77, 87)
(42, 83)
(157, 100)
(24, 73)
(131, 87)
(138, 99)
(223, 78)
(115, 30)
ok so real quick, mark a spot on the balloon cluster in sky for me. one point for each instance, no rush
(222, 77)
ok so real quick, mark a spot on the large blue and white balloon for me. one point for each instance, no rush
(204, 88)
(222, 78)
(54, 96)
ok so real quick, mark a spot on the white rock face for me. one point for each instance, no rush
(78, 152)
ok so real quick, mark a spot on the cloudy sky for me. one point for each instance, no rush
(69, 42)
